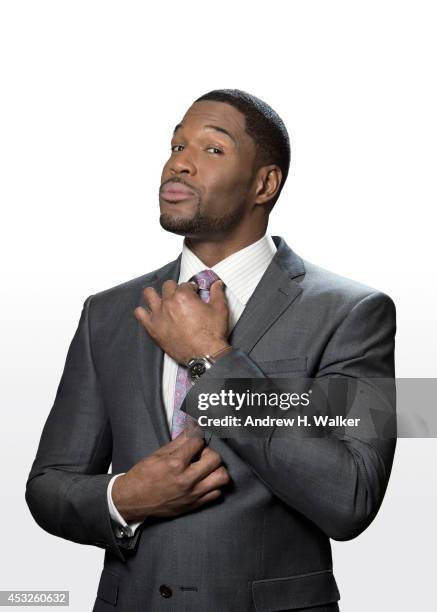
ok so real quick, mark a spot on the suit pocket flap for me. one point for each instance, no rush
(108, 587)
(283, 366)
(293, 592)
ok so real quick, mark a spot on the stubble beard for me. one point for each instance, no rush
(201, 224)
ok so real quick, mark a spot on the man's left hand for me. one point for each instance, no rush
(182, 324)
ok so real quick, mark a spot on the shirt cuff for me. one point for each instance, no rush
(122, 529)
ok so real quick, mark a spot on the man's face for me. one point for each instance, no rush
(207, 183)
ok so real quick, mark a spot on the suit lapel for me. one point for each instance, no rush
(273, 294)
(151, 359)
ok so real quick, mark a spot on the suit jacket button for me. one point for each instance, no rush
(165, 591)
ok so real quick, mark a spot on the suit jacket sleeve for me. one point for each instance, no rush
(338, 481)
(67, 486)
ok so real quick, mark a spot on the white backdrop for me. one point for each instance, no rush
(90, 93)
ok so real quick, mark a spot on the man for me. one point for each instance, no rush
(191, 521)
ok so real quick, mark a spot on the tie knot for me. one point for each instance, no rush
(205, 279)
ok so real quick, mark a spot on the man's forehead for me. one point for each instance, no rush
(215, 113)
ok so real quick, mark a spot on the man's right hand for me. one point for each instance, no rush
(169, 482)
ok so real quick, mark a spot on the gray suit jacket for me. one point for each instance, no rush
(264, 546)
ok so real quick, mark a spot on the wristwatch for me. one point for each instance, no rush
(199, 365)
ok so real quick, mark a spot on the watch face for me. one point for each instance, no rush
(197, 368)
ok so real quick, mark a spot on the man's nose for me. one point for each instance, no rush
(182, 162)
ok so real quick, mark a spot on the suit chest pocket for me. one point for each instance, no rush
(283, 367)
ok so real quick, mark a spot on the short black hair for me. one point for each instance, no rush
(263, 125)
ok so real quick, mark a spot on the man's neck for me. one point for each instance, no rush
(211, 253)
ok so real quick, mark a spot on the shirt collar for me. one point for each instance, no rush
(240, 272)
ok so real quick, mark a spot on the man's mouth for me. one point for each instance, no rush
(176, 192)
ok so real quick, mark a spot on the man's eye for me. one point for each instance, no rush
(215, 150)
(176, 148)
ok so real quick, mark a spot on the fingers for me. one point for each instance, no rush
(208, 462)
(186, 446)
(151, 298)
(191, 287)
(208, 497)
(168, 288)
(142, 316)
(217, 293)
(191, 447)
(216, 480)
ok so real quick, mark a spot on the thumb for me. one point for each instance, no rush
(217, 292)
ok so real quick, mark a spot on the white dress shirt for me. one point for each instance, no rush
(241, 273)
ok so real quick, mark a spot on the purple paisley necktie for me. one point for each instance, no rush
(180, 419)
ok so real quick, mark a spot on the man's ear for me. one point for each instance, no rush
(268, 182)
